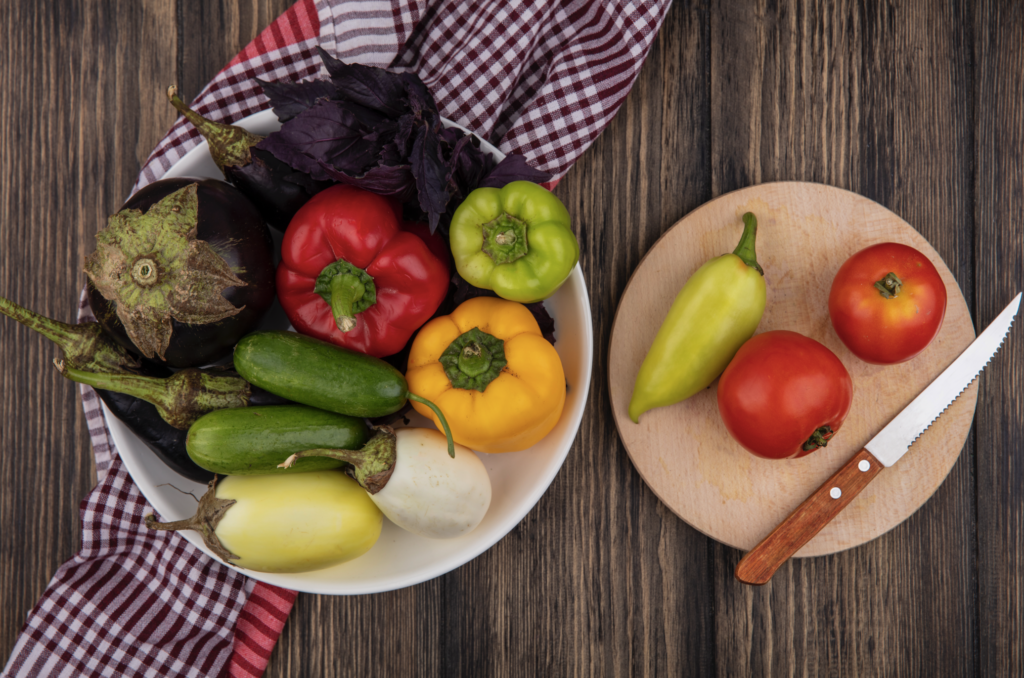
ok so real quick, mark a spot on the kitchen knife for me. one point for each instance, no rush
(885, 449)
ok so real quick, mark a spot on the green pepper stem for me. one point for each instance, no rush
(229, 145)
(346, 291)
(505, 239)
(84, 345)
(180, 399)
(440, 416)
(745, 250)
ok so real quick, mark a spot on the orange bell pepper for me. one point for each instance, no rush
(499, 382)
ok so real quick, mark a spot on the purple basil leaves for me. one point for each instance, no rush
(382, 131)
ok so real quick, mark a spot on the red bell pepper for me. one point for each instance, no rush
(352, 274)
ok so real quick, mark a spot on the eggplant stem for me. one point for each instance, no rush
(84, 345)
(208, 515)
(440, 416)
(371, 466)
(180, 399)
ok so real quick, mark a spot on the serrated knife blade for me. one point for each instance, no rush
(885, 449)
(893, 441)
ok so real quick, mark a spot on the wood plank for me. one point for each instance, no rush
(999, 275)
(873, 98)
(72, 126)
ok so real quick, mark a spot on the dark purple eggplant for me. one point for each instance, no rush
(182, 272)
(277, 190)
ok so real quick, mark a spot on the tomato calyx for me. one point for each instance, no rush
(889, 286)
(819, 438)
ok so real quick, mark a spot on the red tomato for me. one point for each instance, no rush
(883, 329)
(784, 395)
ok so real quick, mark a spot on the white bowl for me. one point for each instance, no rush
(400, 558)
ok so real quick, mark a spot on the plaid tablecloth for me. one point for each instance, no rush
(539, 78)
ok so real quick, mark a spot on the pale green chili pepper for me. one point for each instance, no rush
(717, 310)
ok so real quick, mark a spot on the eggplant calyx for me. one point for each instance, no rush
(155, 269)
(208, 515)
(230, 146)
(85, 346)
(370, 466)
(180, 398)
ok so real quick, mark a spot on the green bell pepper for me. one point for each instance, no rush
(714, 314)
(516, 240)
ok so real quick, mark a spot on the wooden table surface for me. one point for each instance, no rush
(917, 105)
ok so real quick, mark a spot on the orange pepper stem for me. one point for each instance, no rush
(474, 360)
(440, 416)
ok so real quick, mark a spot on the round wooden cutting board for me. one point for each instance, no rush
(683, 452)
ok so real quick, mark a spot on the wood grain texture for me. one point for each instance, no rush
(806, 232)
(998, 276)
(916, 105)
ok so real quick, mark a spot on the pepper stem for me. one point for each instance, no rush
(229, 145)
(346, 291)
(440, 416)
(85, 346)
(474, 360)
(745, 250)
(889, 286)
(208, 515)
(505, 238)
(180, 399)
(371, 466)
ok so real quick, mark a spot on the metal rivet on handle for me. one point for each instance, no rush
(835, 493)
(864, 465)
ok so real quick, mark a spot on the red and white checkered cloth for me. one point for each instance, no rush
(541, 79)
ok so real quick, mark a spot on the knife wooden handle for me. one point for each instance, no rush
(760, 563)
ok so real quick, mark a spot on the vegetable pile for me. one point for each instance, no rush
(377, 199)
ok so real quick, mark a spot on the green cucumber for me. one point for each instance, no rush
(312, 372)
(254, 440)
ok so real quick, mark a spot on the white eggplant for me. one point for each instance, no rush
(412, 480)
(290, 523)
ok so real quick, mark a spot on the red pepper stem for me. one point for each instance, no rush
(440, 416)
(346, 290)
